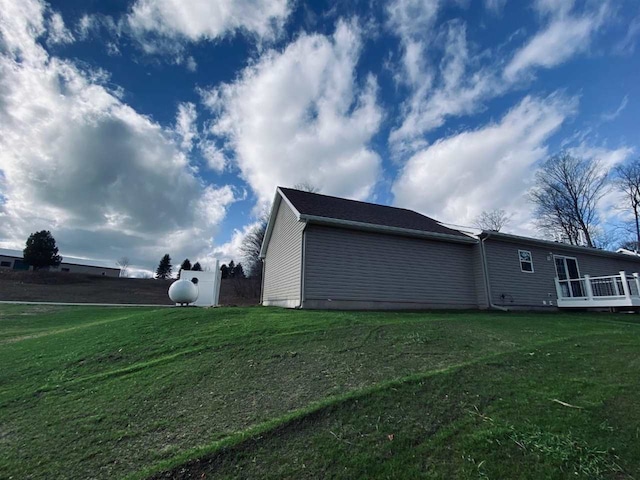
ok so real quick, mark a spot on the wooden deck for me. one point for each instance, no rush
(611, 291)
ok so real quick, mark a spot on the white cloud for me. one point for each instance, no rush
(86, 25)
(113, 49)
(447, 76)
(216, 159)
(610, 116)
(627, 45)
(457, 87)
(299, 115)
(208, 19)
(186, 126)
(57, 32)
(413, 22)
(495, 6)
(21, 23)
(186, 130)
(608, 158)
(458, 177)
(232, 249)
(564, 36)
(93, 24)
(75, 159)
(191, 64)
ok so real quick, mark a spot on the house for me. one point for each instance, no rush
(530, 273)
(324, 252)
(12, 259)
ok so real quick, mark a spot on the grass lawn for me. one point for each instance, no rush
(259, 392)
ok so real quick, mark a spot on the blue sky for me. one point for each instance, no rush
(138, 128)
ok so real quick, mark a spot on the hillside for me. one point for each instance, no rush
(82, 288)
(270, 393)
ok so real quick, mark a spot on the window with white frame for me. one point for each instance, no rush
(526, 261)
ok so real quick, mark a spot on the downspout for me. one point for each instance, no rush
(262, 281)
(302, 272)
(485, 271)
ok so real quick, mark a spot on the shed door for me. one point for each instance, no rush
(567, 269)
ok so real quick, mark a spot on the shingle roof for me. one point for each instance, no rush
(318, 205)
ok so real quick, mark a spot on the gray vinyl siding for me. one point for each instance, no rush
(283, 260)
(512, 287)
(356, 269)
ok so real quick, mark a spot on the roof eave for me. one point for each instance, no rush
(551, 244)
(388, 229)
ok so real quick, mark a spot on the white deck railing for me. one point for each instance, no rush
(610, 291)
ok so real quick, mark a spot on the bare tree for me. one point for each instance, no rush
(494, 220)
(251, 245)
(252, 241)
(306, 187)
(566, 197)
(123, 263)
(628, 182)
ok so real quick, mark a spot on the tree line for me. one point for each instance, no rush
(567, 195)
(164, 270)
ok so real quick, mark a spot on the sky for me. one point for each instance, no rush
(138, 128)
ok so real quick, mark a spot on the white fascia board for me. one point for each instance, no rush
(275, 206)
(388, 229)
(267, 234)
(293, 209)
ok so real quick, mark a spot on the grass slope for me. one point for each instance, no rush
(256, 392)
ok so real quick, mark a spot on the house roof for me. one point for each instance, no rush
(508, 237)
(317, 206)
(341, 212)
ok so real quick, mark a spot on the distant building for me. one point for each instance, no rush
(12, 259)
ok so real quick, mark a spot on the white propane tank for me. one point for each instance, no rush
(183, 292)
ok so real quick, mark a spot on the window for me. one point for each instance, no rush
(5, 264)
(526, 261)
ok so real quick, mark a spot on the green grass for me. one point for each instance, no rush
(258, 392)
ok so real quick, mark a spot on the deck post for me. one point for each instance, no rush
(625, 285)
(636, 277)
(587, 287)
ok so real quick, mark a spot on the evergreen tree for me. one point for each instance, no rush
(225, 271)
(232, 269)
(163, 272)
(238, 272)
(41, 250)
(196, 267)
(186, 265)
